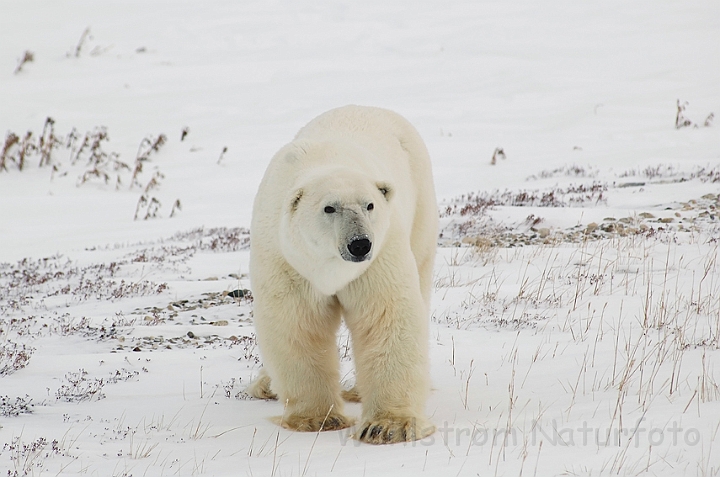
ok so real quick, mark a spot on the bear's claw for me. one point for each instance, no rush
(392, 430)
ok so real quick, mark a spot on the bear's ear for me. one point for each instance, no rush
(291, 156)
(296, 200)
(294, 151)
(385, 190)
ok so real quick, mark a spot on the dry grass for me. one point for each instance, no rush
(682, 121)
(628, 325)
(475, 203)
(89, 152)
(13, 356)
(27, 57)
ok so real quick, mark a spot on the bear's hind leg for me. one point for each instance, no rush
(260, 387)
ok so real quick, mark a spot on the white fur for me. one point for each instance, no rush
(303, 281)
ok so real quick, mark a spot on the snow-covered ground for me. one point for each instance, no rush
(576, 317)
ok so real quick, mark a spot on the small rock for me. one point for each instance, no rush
(238, 293)
(137, 349)
(220, 323)
(190, 334)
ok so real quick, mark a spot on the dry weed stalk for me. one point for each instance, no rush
(680, 120)
(177, 207)
(497, 154)
(145, 149)
(317, 434)
(101, 164)
(47, 142)
(471, 369)
(10, 141)
(708, 388)
(222, 154)
(27, 57)
(83, 38)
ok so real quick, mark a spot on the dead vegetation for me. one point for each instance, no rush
(13, 407)
(99, 164)
(27, 57)
(499, 153)
(682, 121)
(573, 170)
(148, 146)
(475, 203)
(30, 282)
(29, 459)
(56, 276)
(469, 219)
(14, 356)
(667, 173)
(80, 386)
(218, 239)
(89, 156)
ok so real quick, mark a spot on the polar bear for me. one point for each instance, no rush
(345, 226)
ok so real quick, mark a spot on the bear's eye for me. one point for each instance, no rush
(370, 206)
(329, 209)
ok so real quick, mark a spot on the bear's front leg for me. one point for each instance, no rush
(297, 342)
(387, 317)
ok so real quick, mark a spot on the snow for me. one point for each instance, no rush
(590, 318)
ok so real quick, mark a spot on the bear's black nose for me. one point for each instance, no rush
(359, 247)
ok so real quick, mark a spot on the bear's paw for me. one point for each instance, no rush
(329, 422)
(390, 430)
(351, 395)
(260, 388)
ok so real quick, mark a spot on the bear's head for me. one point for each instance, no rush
(333, 224)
